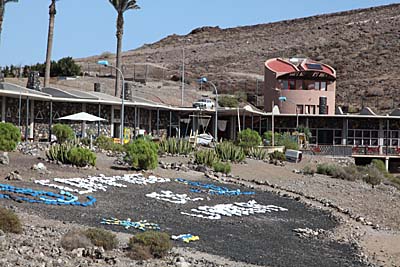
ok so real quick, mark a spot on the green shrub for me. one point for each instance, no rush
(10, 136)
(227, 151)
(75, 239)
(373, 175)
(351, 173)
(326, 169)
(142, 154)
(81, 157)
(206, 157)
(277, 155)
(288, 141)
(85, 141)
(257, 153)
(107, 143)
(102, 238)
(222, 167)
(249, 138)
(59, 152)
(9, 221)
(309, 170)
(267, 136)
(228, 101)
(158, 243)
(175, 146)
(63, 133)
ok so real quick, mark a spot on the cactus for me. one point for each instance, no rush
(206, 157)
(227, 151)
(257, 153)
(175, 146)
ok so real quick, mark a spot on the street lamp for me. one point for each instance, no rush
(121, 130)
(284, 99)
(204, 80)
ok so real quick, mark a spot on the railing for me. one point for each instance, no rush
(331, 150)
(339, 150)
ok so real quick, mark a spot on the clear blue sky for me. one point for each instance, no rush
(87, 27)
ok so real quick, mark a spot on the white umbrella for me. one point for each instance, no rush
(82, 116)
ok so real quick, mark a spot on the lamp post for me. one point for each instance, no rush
(121, 130)
(204, 80)
(284, 99)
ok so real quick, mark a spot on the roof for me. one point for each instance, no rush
(300, 68)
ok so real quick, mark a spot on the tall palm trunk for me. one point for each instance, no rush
(52, 15)
(120, 33)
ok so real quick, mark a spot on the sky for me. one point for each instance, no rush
(87, 27)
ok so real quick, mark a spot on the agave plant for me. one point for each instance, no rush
(257, 153)
(206, 157)
(227, 151)
(175, 146)
(59, 152)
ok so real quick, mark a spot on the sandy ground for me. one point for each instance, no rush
(381, 246)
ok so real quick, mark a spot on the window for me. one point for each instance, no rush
(292, 85)
(300, 109)
(317, 86)
(310, 109)
(323, 86)
(285, 85)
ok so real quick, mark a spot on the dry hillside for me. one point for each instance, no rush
(363, 45)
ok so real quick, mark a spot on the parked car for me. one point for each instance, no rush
(204, 103)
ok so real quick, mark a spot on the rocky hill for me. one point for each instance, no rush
(363, 45)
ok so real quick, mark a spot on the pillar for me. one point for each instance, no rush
(260, 126)
(170, 122)
(150, 115)
(112, 121)
(50, 119)
(158, 122)
(244, 120)
(3, 108)
(98, 123)
(32, 124)
(252, 121)
(27, 120)
(381, 136)
(83, 125)
(345, 129)
(387, 163)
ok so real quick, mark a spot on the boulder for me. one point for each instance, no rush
(13, 176)
(4, 158)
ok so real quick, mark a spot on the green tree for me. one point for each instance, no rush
(121, 6)
(2, 11)
(50, 37)
(249, 138)
(65, 67)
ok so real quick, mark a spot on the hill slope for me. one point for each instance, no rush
(363, 45)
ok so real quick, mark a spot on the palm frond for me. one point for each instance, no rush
(123, 5)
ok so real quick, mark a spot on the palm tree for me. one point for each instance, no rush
(2, 10)
(121, 6)
(52, 15)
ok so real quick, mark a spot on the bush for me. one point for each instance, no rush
(257, 153)
(63, 133)
(157, 243)
(326, 169)
(102, 238)
(373, 175)
(351, 173)
(277, 155)
(249, 138)
(309, 170)
(288, 141)
(139, 252)
(81, 157)
(107, 143)
(228, 101)
(267, 136)
(142, 154)
(59, 152)
(227, 151)
(75, 239)
(222, 167)
(175, 146)
(9, 221)
(206, 157)
(10, 136)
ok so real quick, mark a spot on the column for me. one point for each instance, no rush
(50, 119)
(244, 120)
(112, 121)
(170, 122)
(3, 108)
(98, 123)
(150, 115)
(158, 122)
(32, 124)
(260, 126)
(381, 136)
(345, 128)
(27, 120)
(83, 125)
(252, 121)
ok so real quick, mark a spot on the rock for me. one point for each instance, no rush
(201, 168)
(13, 176)
(4, 158)
(40, 167)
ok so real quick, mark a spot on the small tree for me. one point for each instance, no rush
(63, 133)
(9, 136)
(142, 154)
(249, 138)
(228, 101)
(65, 67)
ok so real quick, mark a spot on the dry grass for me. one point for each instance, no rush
(9, 221)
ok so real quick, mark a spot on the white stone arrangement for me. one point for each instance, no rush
(236, 209)
(101, 182)
(168, 196)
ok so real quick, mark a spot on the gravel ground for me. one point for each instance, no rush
(265, 239)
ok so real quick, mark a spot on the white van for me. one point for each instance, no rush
(293, 155)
